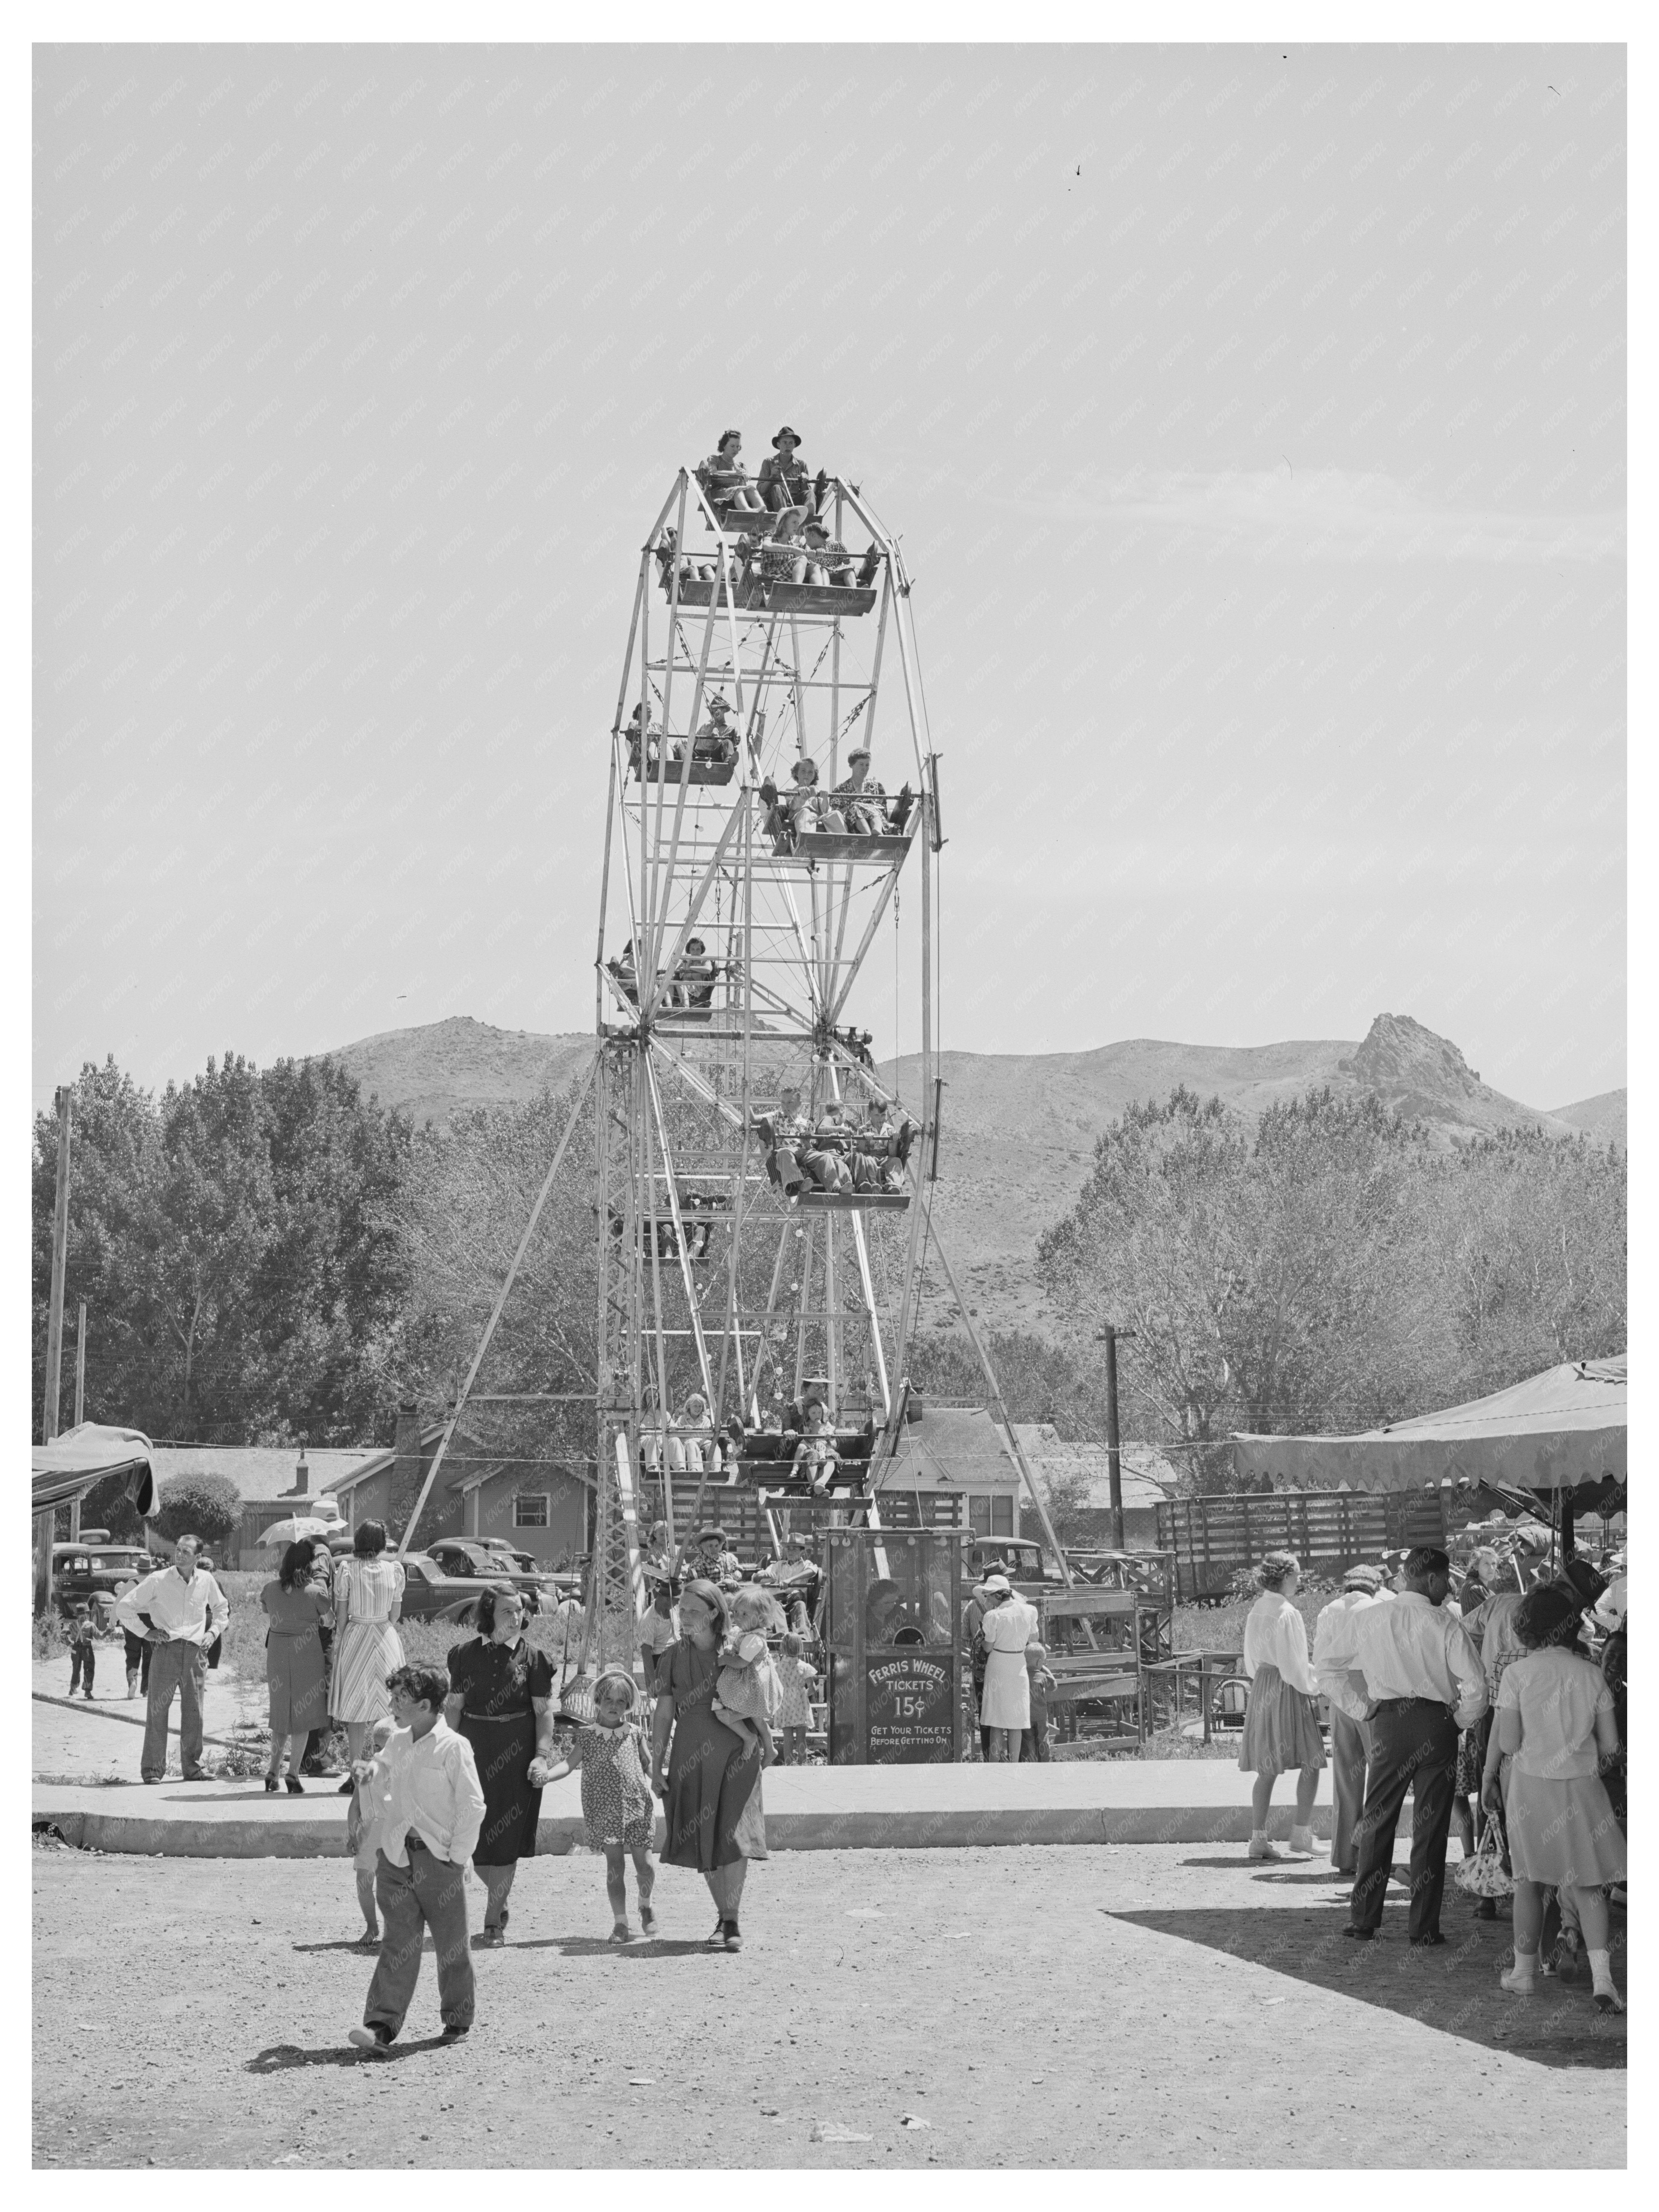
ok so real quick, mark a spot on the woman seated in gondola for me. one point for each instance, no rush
(723, 478)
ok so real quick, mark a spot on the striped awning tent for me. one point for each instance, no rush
(68, 1467)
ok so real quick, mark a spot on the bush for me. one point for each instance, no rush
(206, 1505)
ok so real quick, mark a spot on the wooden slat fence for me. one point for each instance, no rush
(1327, 1531)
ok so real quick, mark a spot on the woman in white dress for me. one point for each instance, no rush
(1281, 1722)
(369, 1595)
(1005, 1707)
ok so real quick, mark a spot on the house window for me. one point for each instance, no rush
(992, 1512)
(530, 1510)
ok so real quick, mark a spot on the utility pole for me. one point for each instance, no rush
(59, 1259)
(1110, 1337)
(80, 1403)
(45, 1523)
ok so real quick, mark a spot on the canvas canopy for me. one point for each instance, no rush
(67, 1467)
(1563, 1430)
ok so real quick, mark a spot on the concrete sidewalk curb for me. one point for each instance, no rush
(315, 1827)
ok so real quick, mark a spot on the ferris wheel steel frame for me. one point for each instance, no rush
(677, 845)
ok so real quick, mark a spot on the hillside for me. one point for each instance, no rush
(1602, 1117)
(443, 1070)
(1018, 1130)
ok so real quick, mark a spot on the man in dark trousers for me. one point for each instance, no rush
(1424, 1679)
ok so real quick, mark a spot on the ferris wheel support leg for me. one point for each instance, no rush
(999, 1408)
(496, 1312)
(680, 1239)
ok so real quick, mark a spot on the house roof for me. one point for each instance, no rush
(261, 1473)
(376, 1462)
(1147, 1477)
(956, 1444)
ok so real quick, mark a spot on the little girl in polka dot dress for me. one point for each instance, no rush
(616, 1802)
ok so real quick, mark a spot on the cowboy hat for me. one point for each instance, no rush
(792, 435)
(999, 1584)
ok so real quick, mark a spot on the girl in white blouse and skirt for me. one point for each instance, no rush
(1281, 1722)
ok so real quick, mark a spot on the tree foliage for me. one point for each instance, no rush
(206, 1505)
(1334, 1268)
(239, 1246)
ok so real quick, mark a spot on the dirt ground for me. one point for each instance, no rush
(1161, 2006)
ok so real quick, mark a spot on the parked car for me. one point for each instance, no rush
(432, 1592)
(90, 1572)
(568, 1578)
(1021, 1559)
(467, 1556)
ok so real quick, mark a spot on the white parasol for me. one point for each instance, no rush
(297, 1528)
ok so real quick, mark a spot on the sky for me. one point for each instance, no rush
(1253, 419)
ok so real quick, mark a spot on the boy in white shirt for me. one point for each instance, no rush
(423, 1794)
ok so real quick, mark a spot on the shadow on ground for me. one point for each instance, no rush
(284, 2057)
(1455, 1989)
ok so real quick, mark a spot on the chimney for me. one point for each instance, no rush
(405, 1487)
(301, 1475)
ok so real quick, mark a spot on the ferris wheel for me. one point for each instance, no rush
(773, 794)
(760, 1189)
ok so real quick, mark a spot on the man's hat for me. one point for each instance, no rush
(998, 1582)
(717, 699)
(787, 433)
(704, 1535)
(1364, 1577)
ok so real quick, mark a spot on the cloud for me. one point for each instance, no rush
(1327, 514)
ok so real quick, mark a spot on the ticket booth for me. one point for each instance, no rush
(893, 1644)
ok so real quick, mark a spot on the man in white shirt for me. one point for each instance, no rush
(1423, 1682)
(1350, 1737)
(423, 1794)
(180, 1611)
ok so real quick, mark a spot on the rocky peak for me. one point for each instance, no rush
(1399, 1054)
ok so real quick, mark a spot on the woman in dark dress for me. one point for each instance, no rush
(501, 1699)
(711, 1791)
(295, 1675)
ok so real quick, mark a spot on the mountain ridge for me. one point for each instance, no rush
(1017, 1131)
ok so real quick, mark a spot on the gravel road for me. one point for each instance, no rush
(1157, 2006)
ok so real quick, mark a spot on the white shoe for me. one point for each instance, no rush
(365, 2040)
(1259, 1846)
(1301, 1843)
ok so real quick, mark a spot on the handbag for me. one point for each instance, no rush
(1483, 1876)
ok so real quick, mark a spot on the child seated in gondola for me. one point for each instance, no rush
(815, 1455)
(747, 1696)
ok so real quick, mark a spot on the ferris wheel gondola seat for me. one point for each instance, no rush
(830, 1201)
(755, 596)
(700, 772)
(817, 846)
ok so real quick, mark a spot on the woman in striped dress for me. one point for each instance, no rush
(369, 1595)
